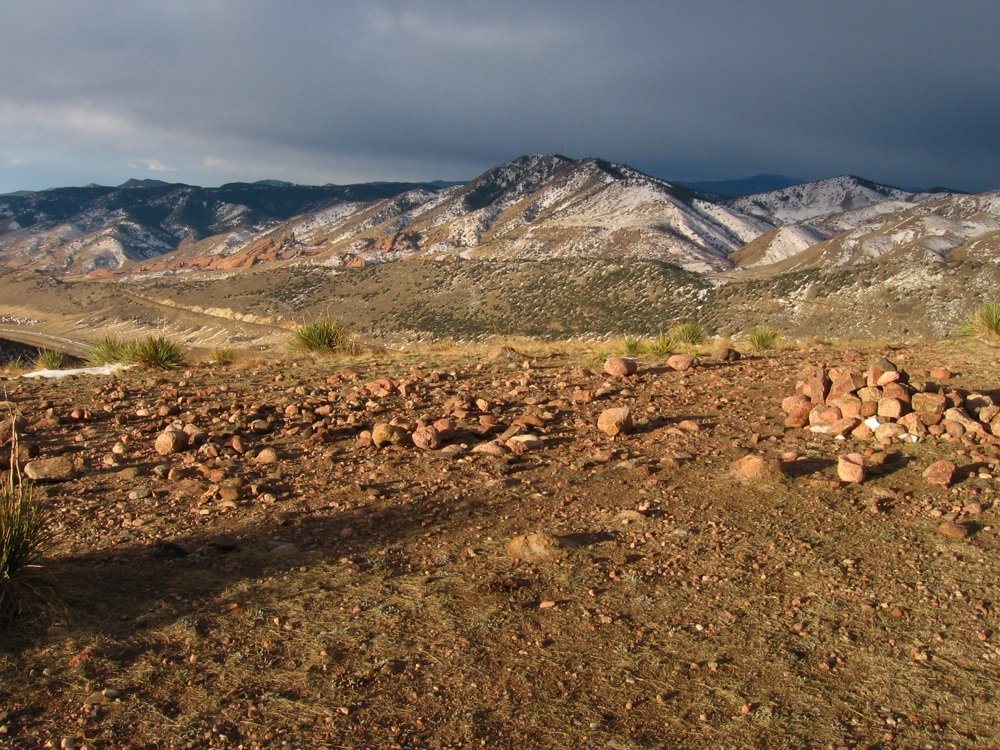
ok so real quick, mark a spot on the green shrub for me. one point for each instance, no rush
(662, 345)
(324, 336)
(688, 333)
(51, 360)
(222, 356)
(111, 350)
(984, 322)
(764, 338)
(22, 533)
(157, 352)
(630, 345)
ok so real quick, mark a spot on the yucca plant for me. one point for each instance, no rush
(662, 345)
(157, 352)
(51, 360)
(324, 336)
(22, 533)
(111, 350)
(630, 345)
(692, 334)
(984, 322)
(764, 338)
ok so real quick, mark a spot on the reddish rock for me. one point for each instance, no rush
(797, 408)
(817, 385)
(886, 378)
(898, 391)
(843, 426)
(941, 373)
(959, 415)
(862, 432)
(535, 548)
(681, 362)
(891, 408)
(940, 473)
(756, 468)
(869, 393)
(932, 403)
(620, 367)
(889, 431)
(388, 434)
(851, 468)
(426, 438)
(843, 382)
(954, 530)
(824, 415)
(850, 406)
(171, 441)
(615, 421)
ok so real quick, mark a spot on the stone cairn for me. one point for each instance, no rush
(882, 404)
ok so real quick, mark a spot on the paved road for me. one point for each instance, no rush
(44, 340)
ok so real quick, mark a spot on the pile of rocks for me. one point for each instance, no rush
(883, 404)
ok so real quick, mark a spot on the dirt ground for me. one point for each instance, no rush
(337, 595)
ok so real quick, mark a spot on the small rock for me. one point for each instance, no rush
(755, 468)
(426, 438)
(267, 456)
(388, 434)
(851, 468)
(940, 473)
(954, 530)
(620, 367)
(615, 421)
(681, 362)
(58, 469)
(536, 547)
(171, 441)
(941, 373)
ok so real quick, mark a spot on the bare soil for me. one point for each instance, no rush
(348, 596)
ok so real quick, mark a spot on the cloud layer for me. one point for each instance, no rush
(220, 90)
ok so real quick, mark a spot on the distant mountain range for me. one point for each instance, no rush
(536, 207)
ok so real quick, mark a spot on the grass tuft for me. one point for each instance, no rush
(222, 356)
(111, 350)
(22, 533)
(662, 345)
(630, 345)
(326, 336)
(51, 360)
(984, 322)
(155, 352)
(764, 338)
(692, 334)
(158, 353)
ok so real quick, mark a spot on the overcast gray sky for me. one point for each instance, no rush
(212, 91)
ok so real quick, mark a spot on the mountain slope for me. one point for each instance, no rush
(950, 227)
(537, 207)
(83, 229)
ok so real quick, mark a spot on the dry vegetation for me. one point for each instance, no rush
(343, 595)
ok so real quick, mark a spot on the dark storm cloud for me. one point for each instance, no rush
(337, 91)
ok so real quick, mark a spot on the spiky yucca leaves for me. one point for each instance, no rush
(111, 350)
(326, 336)
(692, 334)
(22, 533)
(51, 360)
(630, 345)
(764, 338)
(158, 353)
(662, 345)
(155, 352)
(984, 322)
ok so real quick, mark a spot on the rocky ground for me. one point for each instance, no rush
(261, 556)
